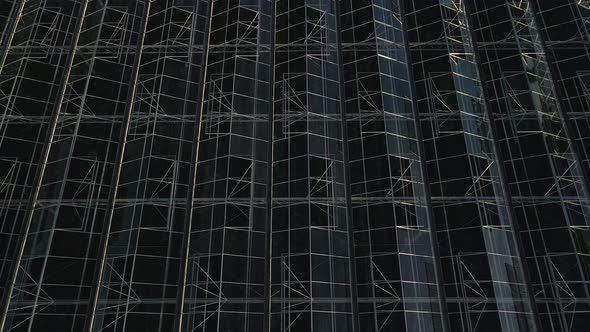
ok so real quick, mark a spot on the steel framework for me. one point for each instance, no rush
(294, 165)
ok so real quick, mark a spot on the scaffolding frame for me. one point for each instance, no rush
(285, 165)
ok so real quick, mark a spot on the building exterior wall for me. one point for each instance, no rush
(294, 165)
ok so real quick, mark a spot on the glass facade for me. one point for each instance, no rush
(294, 165)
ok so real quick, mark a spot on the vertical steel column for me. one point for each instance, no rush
(566, 123)
(10, 31)
(498, 153)
(269, 175)
(420, 144)
(464, 64)
(4, 46)
(95, 293)
(538, 43)
(22, 241)
(186, 237)
(347, 180)
(560, 104)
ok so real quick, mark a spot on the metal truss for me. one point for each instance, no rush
(294, 165)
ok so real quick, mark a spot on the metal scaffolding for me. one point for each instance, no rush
(294, 165)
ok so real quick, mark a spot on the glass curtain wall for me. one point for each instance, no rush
(294, 165)
(226, 281)
(310, 262)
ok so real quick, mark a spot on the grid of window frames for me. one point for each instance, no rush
(294, 165)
